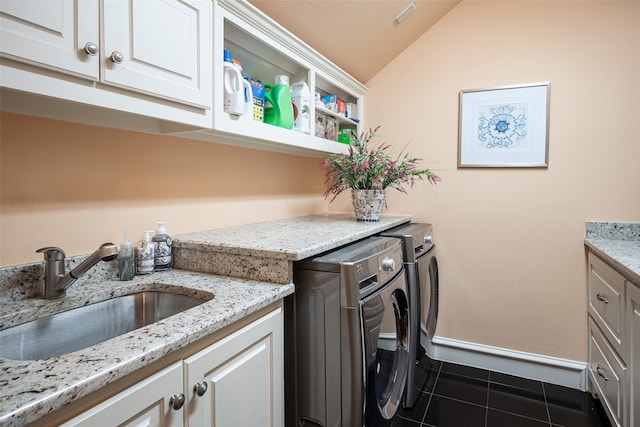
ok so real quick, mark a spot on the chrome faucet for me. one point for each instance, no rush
(56, 281)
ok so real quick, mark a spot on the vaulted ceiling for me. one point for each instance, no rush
(360, 36)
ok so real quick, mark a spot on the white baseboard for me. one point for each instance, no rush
(564, 372)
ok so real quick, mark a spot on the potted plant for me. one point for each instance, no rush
(367, 170)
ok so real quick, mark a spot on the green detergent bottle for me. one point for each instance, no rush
(278, 109)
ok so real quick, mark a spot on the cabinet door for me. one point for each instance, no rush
(51, 34)
(144, 404)
(163, 48)
(244, 377)
(633, 321)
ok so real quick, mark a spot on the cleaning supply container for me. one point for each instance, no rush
(278, 109)
(301, 97)
(247, 93)
(233, 87)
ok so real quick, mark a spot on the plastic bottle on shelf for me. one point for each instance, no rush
(247, 93)
(145, 254)
(301, 97)
(162, 248)
(278, 109)
(233, 87)
(126, 261)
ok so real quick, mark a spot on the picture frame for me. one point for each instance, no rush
(505, 126)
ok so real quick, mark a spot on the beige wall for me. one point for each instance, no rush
(510, 241)
(76, 186)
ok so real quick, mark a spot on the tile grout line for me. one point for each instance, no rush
(486, 411)
(546, 404)
(422, 422)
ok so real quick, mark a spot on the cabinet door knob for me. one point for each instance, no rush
(176, 401)
(599, 371)
(200, 388)
(602, 298)
(91, 49)
(117, 57)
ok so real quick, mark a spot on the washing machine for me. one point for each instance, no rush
(421, 269)
(349, 337)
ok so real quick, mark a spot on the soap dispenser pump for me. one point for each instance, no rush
(162, 248)
(145, 259)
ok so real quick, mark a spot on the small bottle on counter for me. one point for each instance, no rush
(145, 251)
(126, 262)
(162, 247)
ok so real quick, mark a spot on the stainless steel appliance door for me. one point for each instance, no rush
(429, 289)
(385, 321)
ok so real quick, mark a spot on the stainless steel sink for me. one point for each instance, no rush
(82, 327)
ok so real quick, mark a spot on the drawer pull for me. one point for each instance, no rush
(599, 372)
(602, 298)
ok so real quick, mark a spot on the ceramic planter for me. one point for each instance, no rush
(367, 204)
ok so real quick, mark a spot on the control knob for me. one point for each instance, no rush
(388, 265)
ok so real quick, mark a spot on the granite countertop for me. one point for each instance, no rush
(618, 243)
(252, 268)
(265, 251)
(289, 239)
(32, 389)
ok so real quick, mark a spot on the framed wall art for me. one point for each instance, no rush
(505, 126)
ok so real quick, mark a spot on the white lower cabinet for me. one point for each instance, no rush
(614, 342)
(237, 381)
(144, 404)
(242, 376)
(633, 309)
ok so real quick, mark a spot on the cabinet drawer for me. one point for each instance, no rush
(606, 301)
(607, 374)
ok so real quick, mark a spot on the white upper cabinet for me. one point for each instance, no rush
(52, 34)
(157, 47)
(151, 58)
(157, 66)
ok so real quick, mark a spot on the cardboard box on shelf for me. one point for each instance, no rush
(330, 102)
(341, 107)
(352, 111)
(257, 87)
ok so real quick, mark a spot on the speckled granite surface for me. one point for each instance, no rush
(32, 389)
(264, 250)
(618, 243)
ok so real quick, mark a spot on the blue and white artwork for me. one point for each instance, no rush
(502, 126)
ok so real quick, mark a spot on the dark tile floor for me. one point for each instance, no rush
(461, 396)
